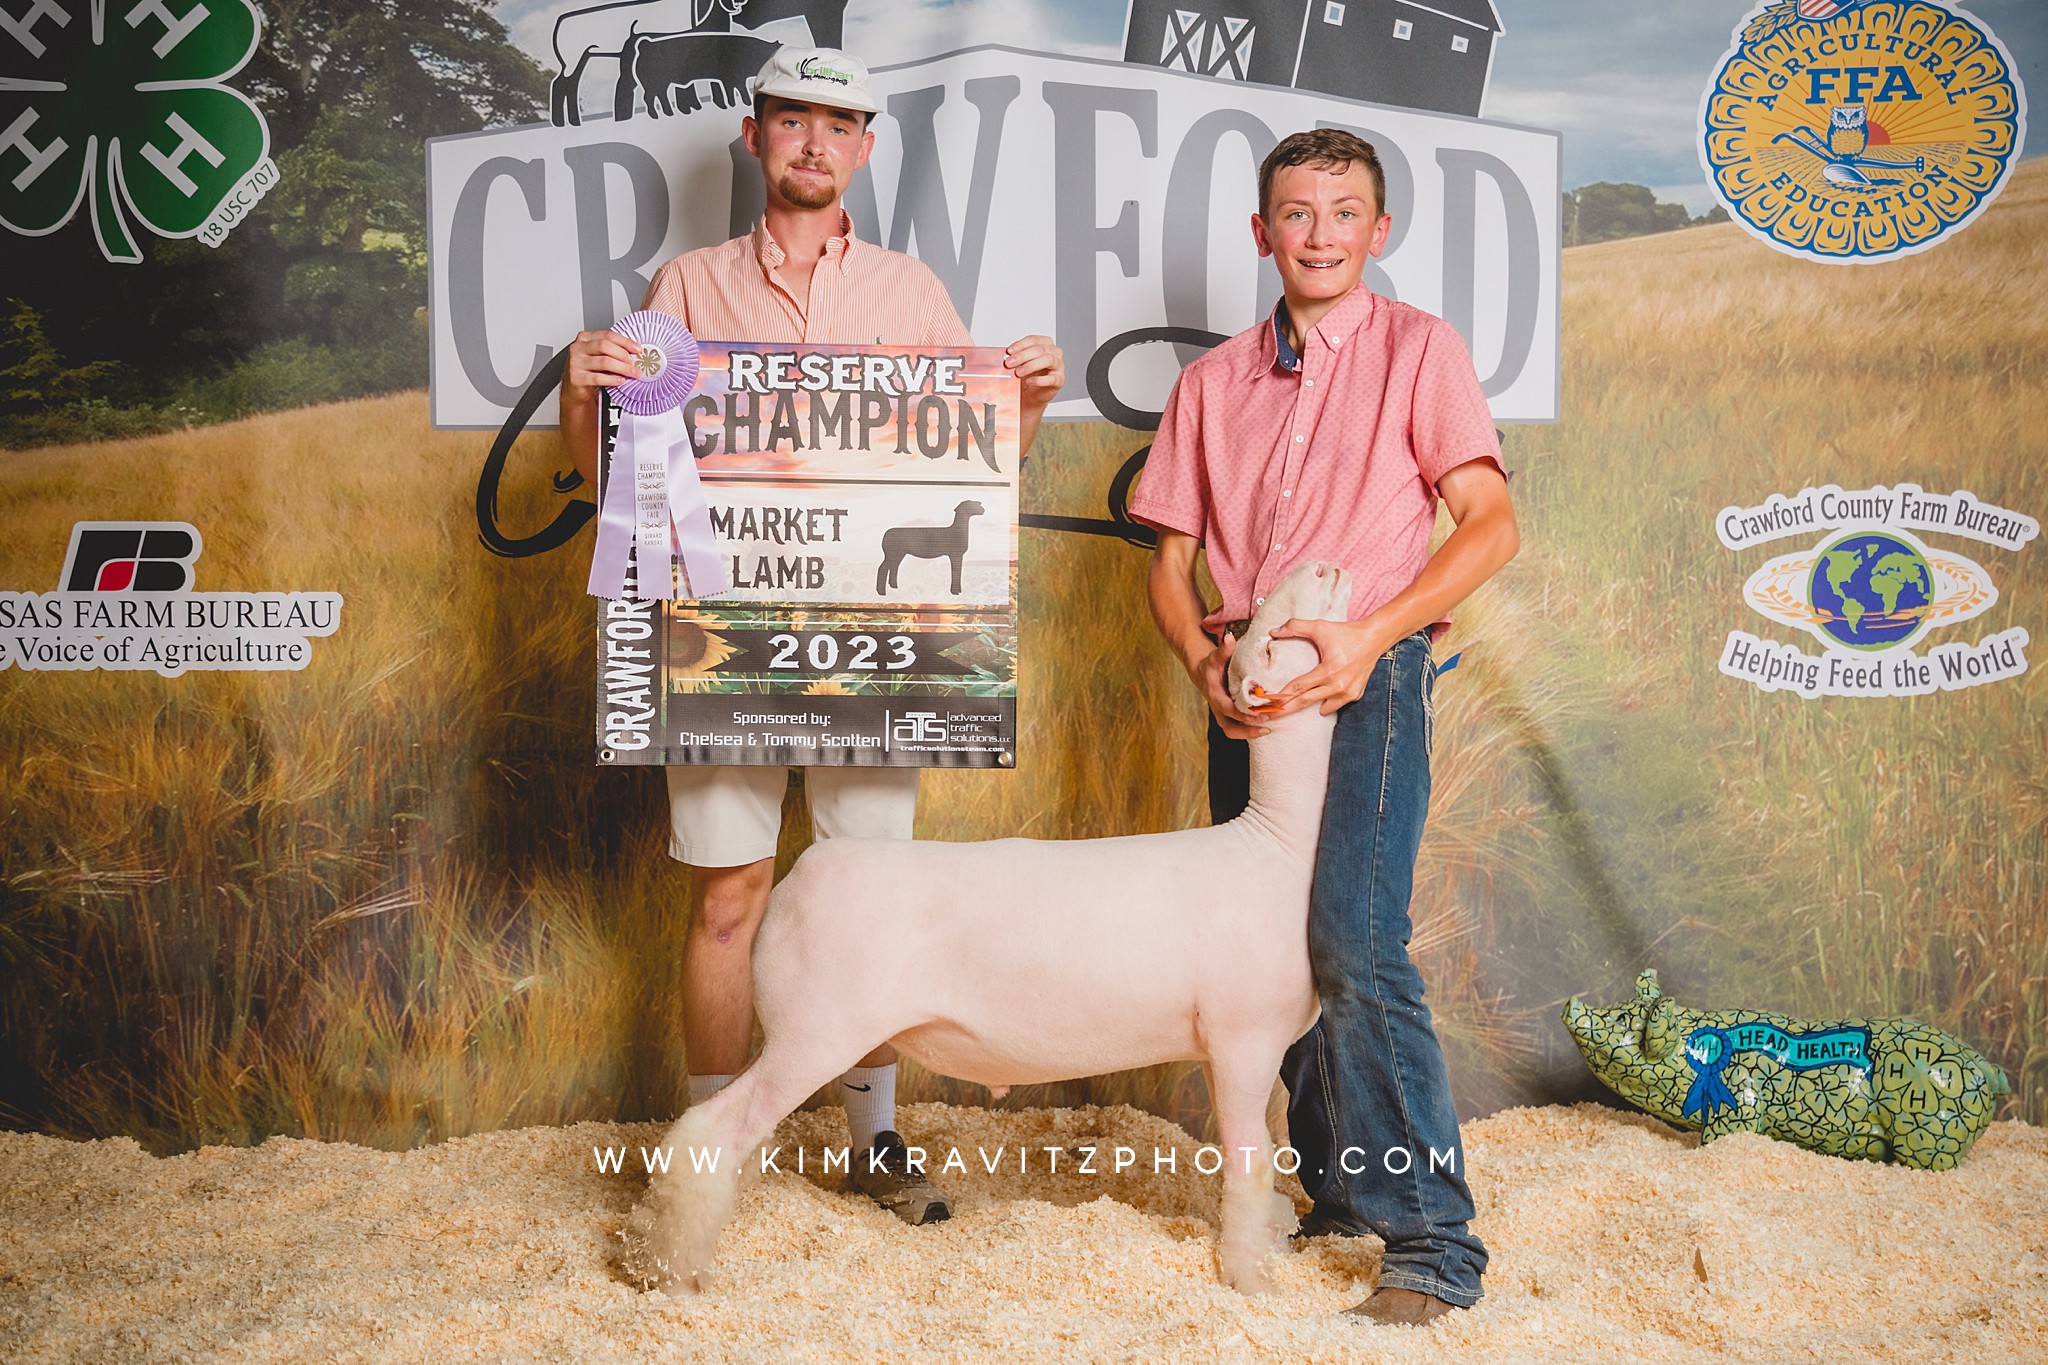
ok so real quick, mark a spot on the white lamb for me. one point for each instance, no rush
(1060, 959)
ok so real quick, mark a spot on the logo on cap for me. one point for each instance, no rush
(814, 69)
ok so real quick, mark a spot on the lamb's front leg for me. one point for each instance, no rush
(672, 1237)
(1256, 1217)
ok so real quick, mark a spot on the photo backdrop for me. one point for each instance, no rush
(304, 832)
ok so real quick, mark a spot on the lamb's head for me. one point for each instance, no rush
(1263, 665)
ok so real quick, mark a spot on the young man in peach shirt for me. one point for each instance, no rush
(800, 276)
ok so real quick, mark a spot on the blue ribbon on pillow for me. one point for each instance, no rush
(1708, 1050)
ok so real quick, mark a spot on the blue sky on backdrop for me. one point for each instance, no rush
(1621, 79)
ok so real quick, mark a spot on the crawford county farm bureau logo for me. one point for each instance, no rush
(1869, 588)
(125, 602)
(1857, 130)
(119, 105)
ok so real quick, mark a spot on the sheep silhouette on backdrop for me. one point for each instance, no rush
(926, 542)
(613, 30)
(1064, 959)
(660, 65)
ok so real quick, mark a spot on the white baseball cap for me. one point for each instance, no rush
(818, 75)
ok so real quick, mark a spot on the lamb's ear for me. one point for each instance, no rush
(1340, 594)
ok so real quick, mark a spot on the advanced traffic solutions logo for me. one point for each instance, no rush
(1869, 588)
(1859, 130)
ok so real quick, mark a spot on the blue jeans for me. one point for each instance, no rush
(1369, 1101)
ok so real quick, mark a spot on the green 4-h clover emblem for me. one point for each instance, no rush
(119, 105)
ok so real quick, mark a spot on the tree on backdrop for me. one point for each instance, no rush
(318, 294)
(1605, 211)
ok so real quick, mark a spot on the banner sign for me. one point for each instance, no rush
(1708, 1050)
(863, 500)
(540, 231)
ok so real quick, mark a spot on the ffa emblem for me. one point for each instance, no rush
(119, 110)
(1858, 130)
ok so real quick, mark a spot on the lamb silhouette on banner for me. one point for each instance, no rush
(926, 542)
(1062, 959)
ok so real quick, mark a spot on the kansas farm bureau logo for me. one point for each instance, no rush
(1869, 588)
(124, 602)
(118, 108)
(1859, 130)
(130, 557)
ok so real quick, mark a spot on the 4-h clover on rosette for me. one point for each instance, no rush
(120, 106)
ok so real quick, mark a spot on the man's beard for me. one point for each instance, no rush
(807, 194)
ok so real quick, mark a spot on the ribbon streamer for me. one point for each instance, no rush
(1708, 1050)
(654, 508)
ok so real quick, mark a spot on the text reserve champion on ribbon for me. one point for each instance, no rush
(653, 507)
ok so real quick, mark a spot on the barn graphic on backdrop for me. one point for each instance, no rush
(666, 57)
(1434, 56)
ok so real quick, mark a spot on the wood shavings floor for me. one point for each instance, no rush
(1613, 1238)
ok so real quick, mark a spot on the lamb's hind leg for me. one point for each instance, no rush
(1255, 1215)
(672, 1237)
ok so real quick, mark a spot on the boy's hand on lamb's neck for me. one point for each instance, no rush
(1348, 652)
(1211, 674)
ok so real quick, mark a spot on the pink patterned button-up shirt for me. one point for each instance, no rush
(1335, 456)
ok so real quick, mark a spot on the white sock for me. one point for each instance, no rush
(703, 1088)
(869, 1093)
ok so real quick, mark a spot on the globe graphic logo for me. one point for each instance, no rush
(1870, 590)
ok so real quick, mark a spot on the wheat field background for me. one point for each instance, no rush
(392, 899)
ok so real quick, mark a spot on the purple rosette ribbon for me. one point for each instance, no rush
(665, 354)
(654, 514)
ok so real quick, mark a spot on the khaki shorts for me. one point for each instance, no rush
(723, 816)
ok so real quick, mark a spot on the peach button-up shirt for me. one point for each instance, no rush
(860, 294)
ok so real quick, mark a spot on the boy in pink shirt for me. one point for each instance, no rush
(1330, 431)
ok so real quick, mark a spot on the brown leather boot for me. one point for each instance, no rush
(1401, 1307)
